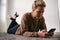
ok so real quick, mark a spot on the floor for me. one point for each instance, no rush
(5, 36)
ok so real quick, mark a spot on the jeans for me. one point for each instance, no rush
(13, 27)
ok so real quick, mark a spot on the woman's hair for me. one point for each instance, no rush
(40, 3)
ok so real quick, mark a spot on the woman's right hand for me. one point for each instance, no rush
(42, 33)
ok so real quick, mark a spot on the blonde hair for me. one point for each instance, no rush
(36, 3)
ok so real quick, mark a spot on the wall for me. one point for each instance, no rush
(52, 14)
(3, 24)
(59, 10)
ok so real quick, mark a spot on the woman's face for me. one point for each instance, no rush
(39, 11)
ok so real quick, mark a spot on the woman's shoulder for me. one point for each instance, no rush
(26, 15)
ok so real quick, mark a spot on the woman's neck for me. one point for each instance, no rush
(34, 15)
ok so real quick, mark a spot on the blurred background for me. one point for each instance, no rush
(9, 7)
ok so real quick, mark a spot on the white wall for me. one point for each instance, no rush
(52, 14)
(3, 15)
(59, 9)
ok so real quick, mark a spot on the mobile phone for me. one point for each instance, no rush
(52, 30)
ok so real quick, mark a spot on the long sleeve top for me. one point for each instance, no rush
(30, 26)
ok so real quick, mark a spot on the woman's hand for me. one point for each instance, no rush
(42, 33)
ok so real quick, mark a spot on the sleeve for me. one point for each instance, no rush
(23, 29)
(43, 24)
